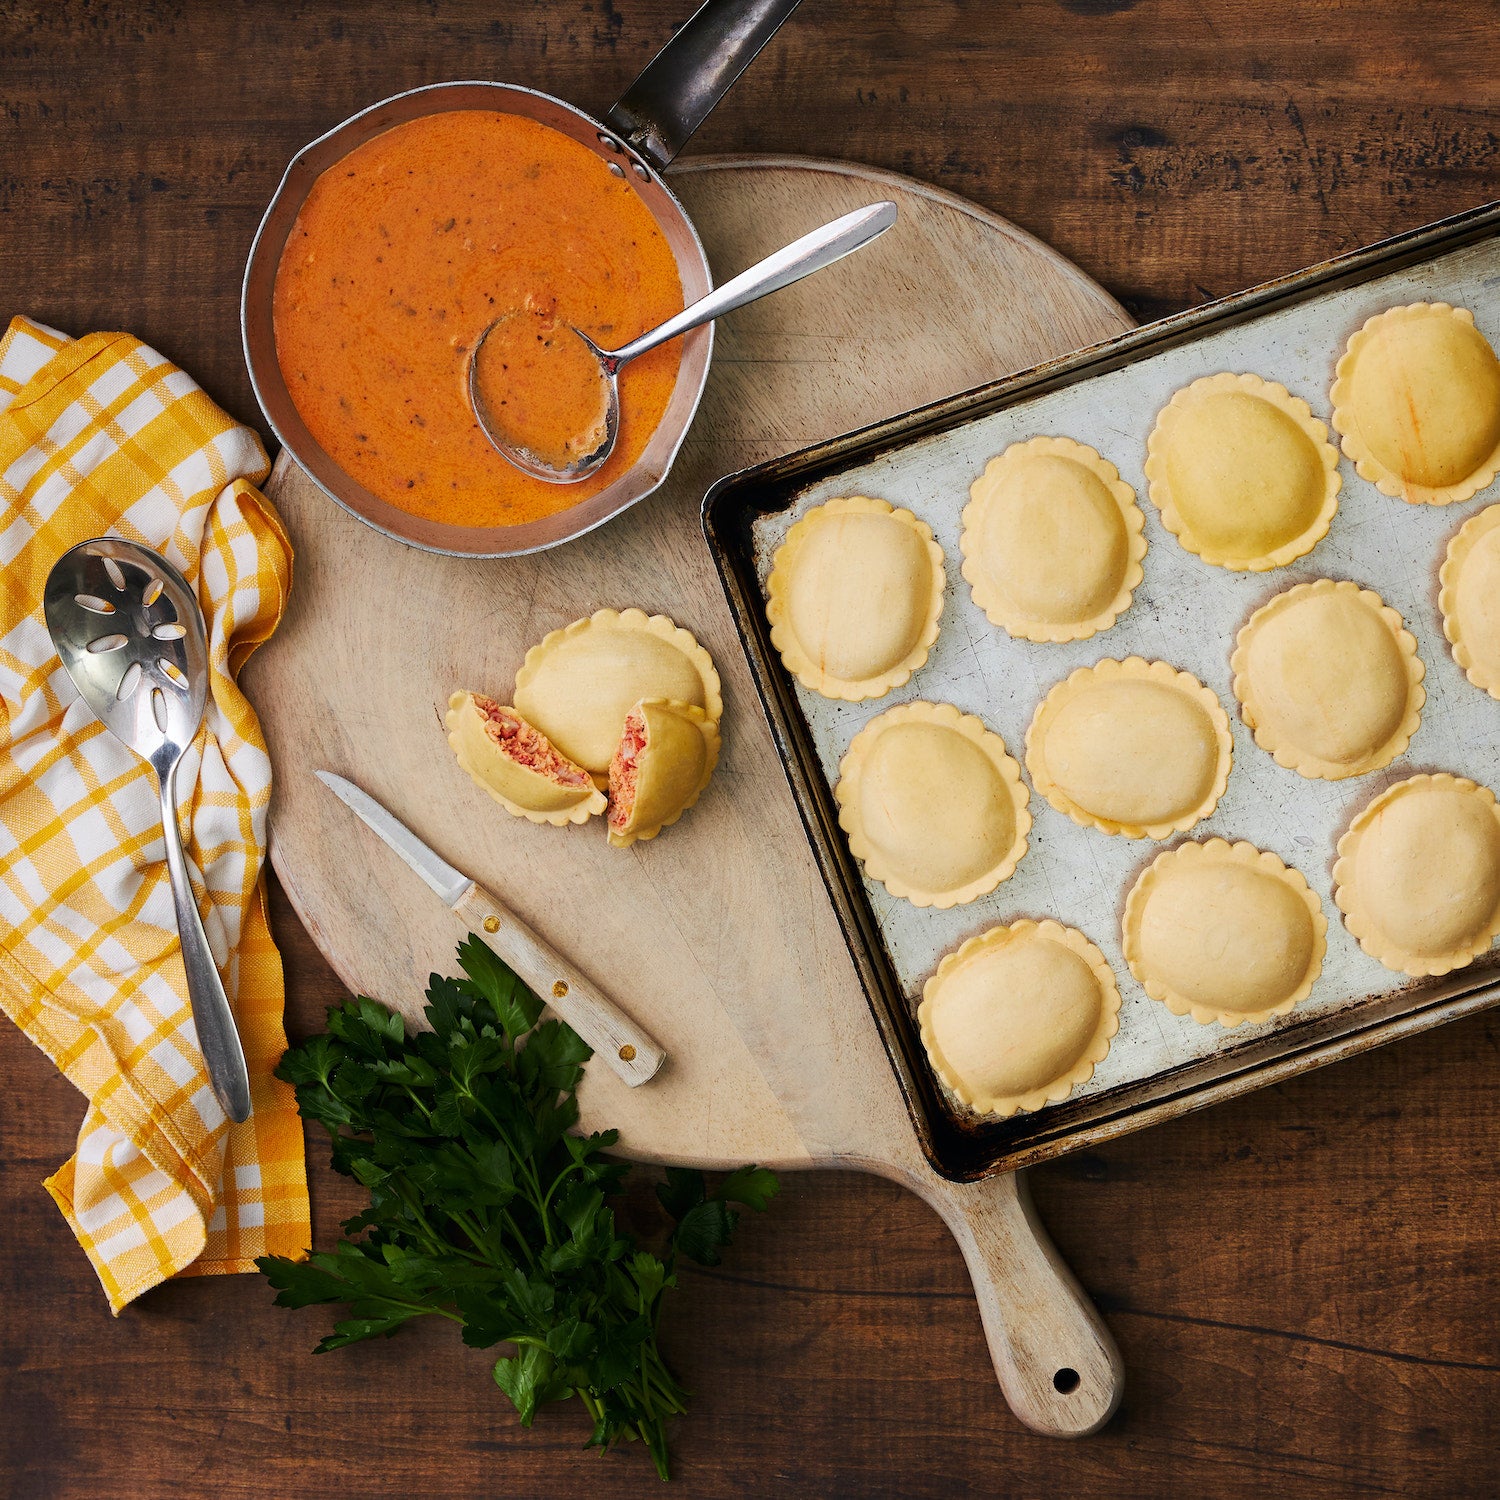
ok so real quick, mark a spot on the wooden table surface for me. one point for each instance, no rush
(1305, 1283)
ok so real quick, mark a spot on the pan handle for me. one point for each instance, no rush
(683, 82)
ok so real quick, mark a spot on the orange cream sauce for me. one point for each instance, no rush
(408, 248)
(543, 389)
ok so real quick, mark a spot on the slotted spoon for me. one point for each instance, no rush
(130, 634)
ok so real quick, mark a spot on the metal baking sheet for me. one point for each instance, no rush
(1186, 613)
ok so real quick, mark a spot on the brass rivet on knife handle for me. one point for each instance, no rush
(618, 1042)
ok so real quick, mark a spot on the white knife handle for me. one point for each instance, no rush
(627, 1050)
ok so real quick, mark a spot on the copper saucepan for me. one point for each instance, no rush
(637, 139)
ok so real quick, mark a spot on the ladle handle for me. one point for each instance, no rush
(218, 1039)
(682, 83)
(801, 258)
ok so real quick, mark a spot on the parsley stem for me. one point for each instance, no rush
(557, 1181)
(522, 1242)
(420, 1309)
(484, 1257)
(414, 1207)
(646, 1382)
(524, 1158)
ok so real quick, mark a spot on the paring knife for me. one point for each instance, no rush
(615, 1038)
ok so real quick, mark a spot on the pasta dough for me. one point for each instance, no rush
(1130, 747)
(1224, 932)
(1418, 874)
(854, 596)
(933, 805)
(662, 764)
(1242, 472)
(516, 765)
(1052, 541)
(1417, 403)
(1329, 680)
(578, 684)
(1470, 599)
(1019, 1016)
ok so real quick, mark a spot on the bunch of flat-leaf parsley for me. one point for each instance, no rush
(485, 1209)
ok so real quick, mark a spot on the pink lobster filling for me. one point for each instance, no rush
(527, 746)
(625, 770)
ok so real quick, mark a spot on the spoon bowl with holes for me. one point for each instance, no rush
(131, 636)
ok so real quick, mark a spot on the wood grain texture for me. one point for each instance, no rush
(1303, 1282)
(719, 935)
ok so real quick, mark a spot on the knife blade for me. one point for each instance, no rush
(625, 1047)
(440, 877)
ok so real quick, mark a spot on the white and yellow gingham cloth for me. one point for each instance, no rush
(101, 435)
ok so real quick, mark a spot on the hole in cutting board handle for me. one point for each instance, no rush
(1066, 1381)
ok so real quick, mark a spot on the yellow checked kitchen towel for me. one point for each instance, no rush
(102, 435)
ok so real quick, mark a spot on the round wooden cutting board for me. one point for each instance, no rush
(717, 935)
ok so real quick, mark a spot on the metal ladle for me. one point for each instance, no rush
(130, 634)
(801, 258)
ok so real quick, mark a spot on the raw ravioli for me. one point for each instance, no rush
(517, 765)
(854, 596)
(1329, 680)
(1019, 1016)
(1224, 933)
(933, 804)
(1470, 599)
(662, 764)
(1052, 541)
(1417, 403)
(1242, 472)
(1418, 874)
(578, 684)
(1131, 747)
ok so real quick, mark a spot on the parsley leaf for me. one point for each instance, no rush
(488, 1209)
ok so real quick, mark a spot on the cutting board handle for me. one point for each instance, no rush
(1056, 1361)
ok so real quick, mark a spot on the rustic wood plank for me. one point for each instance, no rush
(1344, 1351)
(1303, 1282)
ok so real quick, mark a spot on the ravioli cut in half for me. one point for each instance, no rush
(933, 805)
(1242, 472)
(1019, 1016)
(579, 682)
(660, 767)
(1416, 401)
(1131, 747)
(1052, 541)
(1470, 599)
(854, 596)
(1224, 932)
(517, 765)
(1418, 874)
(1329, 680)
